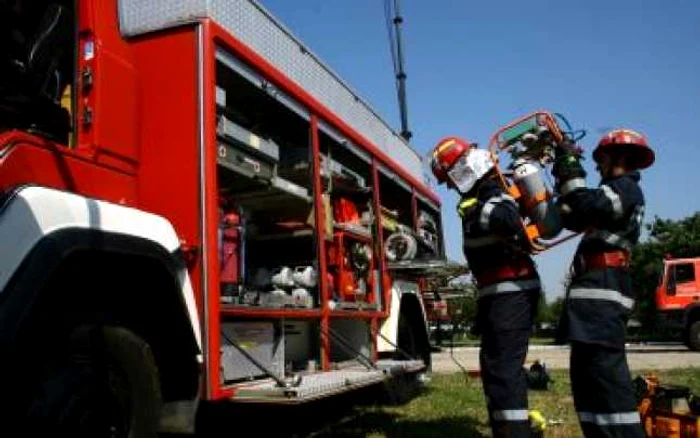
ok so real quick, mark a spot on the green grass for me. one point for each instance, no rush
(452, 406)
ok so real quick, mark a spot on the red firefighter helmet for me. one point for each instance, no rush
(460, 164)
(631, 143)
(446, 154)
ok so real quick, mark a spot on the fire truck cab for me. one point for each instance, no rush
(195, 209)
(678, 298)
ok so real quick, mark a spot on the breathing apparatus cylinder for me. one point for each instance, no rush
(536, 198)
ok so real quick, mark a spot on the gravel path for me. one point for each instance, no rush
(662, 356)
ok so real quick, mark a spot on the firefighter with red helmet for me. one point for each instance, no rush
(600, 299)
(508, 284)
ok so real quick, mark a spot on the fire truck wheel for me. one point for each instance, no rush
(106, 385)
(694, 336)
(406, 336)
(402, 388)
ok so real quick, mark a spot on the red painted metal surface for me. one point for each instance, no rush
(112, 100)
(280, 80)
(211, 209)
(320, 219)
(687, 292)
(169, 182)
(104, 163)
(383, 272)
(84, 92)
(355, 314)
(31, 160)
(253, 312)
(374, 329)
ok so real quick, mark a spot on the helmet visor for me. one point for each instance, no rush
(462, 175)
(470, 169)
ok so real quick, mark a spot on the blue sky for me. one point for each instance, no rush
(474, 66)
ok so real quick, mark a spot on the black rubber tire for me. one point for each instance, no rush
(406, 337)
(685, 337)
(402, 388)
(694, 336)
(106, 384)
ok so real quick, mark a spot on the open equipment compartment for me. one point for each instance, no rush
(352, 343)
(267, 242)
(411, 223)
(429, 229)
(351, 237)
(306, 206)
(277, 346)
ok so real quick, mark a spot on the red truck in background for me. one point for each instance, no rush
(678, 298)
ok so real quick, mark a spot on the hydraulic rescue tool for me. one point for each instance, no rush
(524, 152)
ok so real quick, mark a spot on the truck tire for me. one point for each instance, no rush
(406, 337)
(694, 336)
(106, 384)
(402, 388)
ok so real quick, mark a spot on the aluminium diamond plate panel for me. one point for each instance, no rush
(252, 24)
(312, 385)
(324, 383)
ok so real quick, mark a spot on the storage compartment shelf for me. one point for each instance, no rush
(355, 314)
(262, 312)
(355, 231)
(278, 193)
(364, 312)
(339, 176)
(285, 235)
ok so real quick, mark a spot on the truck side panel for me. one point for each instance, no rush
(169, 183)
(111, 103)
(30, 160)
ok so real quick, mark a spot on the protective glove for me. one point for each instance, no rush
(538, 422)
(569, 219)
(567, 162)
(567, 147)
(567, 167)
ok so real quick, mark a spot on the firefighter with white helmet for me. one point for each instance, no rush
(600, 299)
(508, 283)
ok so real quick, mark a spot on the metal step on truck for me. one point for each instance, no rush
(195, 210)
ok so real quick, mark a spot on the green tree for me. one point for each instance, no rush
(548, 312)
(556, 309)
(544, 312)
(674, 238)
(462, 309)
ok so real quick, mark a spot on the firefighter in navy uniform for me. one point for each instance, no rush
(600, 300)
(507, 280)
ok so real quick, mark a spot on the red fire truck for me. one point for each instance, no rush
(678, 298)
(195, 210)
